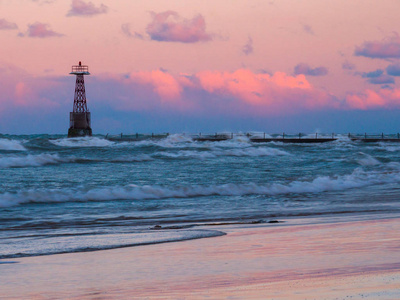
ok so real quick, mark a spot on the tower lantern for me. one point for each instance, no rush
(79, 118)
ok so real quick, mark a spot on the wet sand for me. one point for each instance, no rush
(334, 260)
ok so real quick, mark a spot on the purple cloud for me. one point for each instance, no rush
(168, 26)
(86, 9)
(376, 77)
(126, 29)
(348, 66)
(41, 30)
(387, 48)
(373, 74)
(393, 70)
(6, 25)
(383, 79)
(305, 69)
(248, 47)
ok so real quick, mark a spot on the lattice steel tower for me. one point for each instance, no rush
(79, 118)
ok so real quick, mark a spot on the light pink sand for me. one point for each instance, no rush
(326, 261)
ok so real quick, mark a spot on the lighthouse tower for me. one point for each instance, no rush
(79, 118)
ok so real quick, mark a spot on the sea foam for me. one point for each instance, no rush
(82, 142)
(32, 160)
(358, 178)
(6, 144)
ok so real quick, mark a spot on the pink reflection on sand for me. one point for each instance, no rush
(280, 261)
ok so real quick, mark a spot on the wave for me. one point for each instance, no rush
(96, 242)
(82, 142)
(243, 152)
(13, 145)
(358, 178)
(367, 160)
(32, 160)
(36, 160)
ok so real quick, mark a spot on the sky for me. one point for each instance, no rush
(202, 66)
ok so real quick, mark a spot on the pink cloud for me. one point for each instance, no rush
(86, 9)
(41, 30)
(22, 90)
(264, 93)
(6, 25)
(370, 99)
(163, 84)
(240, 92)
(216, 92)
(387, 48)
(168, 26)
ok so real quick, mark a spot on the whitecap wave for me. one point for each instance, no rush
(358, 178)
(12, 145)
(367, 160)
(217, 152)
(82, 142)
(32, 160)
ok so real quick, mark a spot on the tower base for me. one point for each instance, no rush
(76, 132)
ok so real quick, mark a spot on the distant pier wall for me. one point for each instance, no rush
(300, 138)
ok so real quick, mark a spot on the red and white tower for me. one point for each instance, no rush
(79, 118)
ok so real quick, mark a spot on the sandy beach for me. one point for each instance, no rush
(307, 260)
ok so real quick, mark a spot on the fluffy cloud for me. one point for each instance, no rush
(383, 98)
(387, 48)
(239, 93)
(248, 47)
(393, 70)
(377, 77)
(6, 25)
(220, 93)
(383, 79)
(372, 74)
(86, 9)
(41, 30)
(305, 69)
(168, 26)
(21, 90)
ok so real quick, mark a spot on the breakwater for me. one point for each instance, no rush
(262, 137)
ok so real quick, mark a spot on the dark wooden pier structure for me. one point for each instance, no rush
(217, 137)
(375, 138)
(299, 138)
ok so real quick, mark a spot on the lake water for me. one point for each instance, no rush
(61, 195)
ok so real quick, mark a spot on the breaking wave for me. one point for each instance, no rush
(32, 160)
(367, 160)
(358, 178)
(242, 152)
(82, 142)
(12, 145)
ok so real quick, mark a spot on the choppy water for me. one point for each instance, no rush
(66, 195)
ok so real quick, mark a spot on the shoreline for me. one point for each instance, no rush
(259, 261)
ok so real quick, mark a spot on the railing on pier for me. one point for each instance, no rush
(375, 137)
(263, 137)
(222, 136)
(135, 136)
